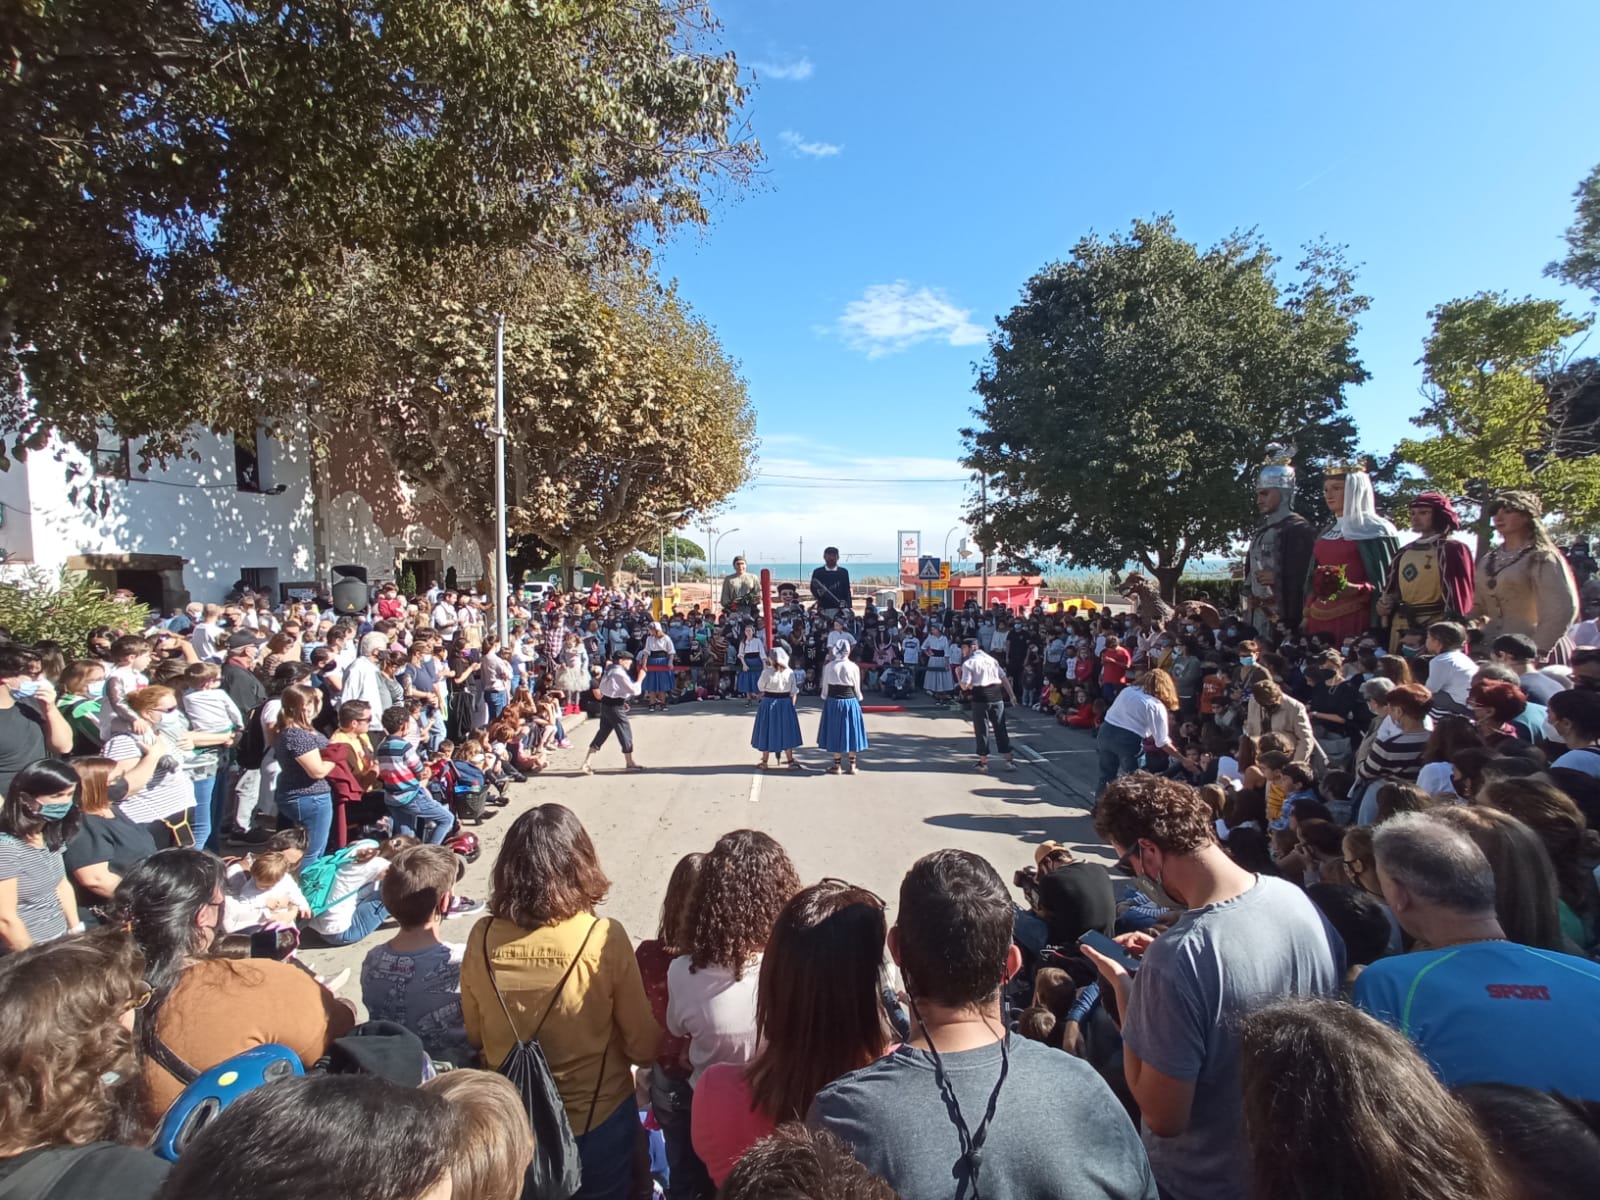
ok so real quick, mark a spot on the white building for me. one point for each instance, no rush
(259, 511)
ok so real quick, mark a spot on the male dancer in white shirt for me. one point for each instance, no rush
(617, 687)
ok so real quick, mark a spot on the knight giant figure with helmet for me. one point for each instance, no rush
(1279, 558)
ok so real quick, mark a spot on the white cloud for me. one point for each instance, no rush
(799, 145)
(793, 72)
(891, 317)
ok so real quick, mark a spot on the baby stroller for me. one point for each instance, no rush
(461, 788)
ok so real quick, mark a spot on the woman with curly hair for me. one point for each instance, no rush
(542, 964)
(68, 1067)
(712, 989)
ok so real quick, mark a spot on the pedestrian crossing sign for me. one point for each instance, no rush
(928, 568)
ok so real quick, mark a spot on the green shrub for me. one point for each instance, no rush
(37, 606)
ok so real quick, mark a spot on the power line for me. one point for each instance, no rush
(864, 479)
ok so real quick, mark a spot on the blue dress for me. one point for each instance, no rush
(660, 677)
(842, 730)
(777, 724)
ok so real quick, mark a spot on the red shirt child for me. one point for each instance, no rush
(1114, 662)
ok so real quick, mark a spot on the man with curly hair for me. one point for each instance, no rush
(1245, 940)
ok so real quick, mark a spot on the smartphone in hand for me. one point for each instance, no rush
(1101, 944)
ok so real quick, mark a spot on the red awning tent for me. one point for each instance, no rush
(1010, 590)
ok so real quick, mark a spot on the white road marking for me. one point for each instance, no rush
(755, 787)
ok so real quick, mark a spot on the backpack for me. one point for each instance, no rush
(317, 880)
(251, 748)
(556, 1172)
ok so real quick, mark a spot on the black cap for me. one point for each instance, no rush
(242, 639)
(971, 641)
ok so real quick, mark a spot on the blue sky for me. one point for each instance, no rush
(924, 159)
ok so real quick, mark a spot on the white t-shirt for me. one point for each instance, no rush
(715, 1011)
(1451, 673)
(908, 651)
(1137, 711)
(353, 882)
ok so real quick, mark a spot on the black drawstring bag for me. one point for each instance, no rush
(556, 1172)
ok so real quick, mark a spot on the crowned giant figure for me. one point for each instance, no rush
(1279, 558)
(1351, 557)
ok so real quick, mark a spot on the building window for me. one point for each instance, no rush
(263, 581)
(112, 458)
(246, 462)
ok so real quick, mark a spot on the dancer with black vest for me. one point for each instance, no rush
(777, 728)
(842, 731)
(617, 687)
(985, 683)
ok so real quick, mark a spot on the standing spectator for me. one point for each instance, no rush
(819, 1015)
(40, 816)
(1480, 1008)
(963, 1107)
(303, 793)
(711, 991)
(1385, 1129)
(1270, 710)
(1244, 939)
(69, 1072)
(573, 982)
(1115, 660)
(30, 727)
(670, 1091)
(364, 680)
(109, 843)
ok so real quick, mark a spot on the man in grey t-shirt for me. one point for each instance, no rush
(1244, 941)
(920, 1117)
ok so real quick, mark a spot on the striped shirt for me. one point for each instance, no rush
(38, 873)
(168, 793)
(1397, 757)
(400, 769)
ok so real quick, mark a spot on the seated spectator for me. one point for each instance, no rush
(711, 991)
(594, 1024)
(1361, 921)
(1067, 897)
(493, 1144)
(347, 1136)
(670, 1092)
(1549, 1146)
(819, 1015)
(1244, 938)
(1494, 705)
(107, 844)
(1385, 1129)
(206, 1009)
(69, 1072)
(1519, 652)
(1575, 718)
(1396, 756)
(1525, 897)
(1451, 668)
(1046, 1123)
(1479, 1007)
(1574, 848)
(40, 817)
(796, 1163)
(414, 979)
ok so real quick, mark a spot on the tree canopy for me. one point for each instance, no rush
(678, 549)
(1504, 409)
(1581, 266)
(173, 167)
(1131, 394)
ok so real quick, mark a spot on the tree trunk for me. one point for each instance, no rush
(1167, 582)
(612, 567)
(570, 549)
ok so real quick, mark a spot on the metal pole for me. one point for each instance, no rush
(802, 556)
(983, 548)
(502, 585)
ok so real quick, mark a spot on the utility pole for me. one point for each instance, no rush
(983, 546)
(802, 555)
(502, 585)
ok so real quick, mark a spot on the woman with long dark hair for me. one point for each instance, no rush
(1385, 1127)
(1574, 848)
(68, 1064)
(1525, 896)
(40, 816)
(304, 794)
(819, 1014)
(542, 964)
(205, 1009)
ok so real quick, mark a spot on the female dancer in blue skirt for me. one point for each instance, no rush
(752, 653)
(777, 728)
(842, 730)
(660, 677)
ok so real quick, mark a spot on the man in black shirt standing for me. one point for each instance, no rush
(830, 585)
(30, 728)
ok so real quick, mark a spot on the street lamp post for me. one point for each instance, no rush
(946, 559)
(714, 545)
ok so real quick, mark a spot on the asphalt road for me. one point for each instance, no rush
(916, 792)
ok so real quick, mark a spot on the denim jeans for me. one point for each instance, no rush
(672, 1102)
(607, 1154)
(315, 812)
(369, 914)
(408, 817)
(496, 704)
(1121, 752)
(1029, 931)
(203, 821)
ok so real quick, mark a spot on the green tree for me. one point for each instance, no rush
(677, 548)
(172, 165)
(1491, 416)
(1581, 266)
(38, 606)
(635, 564)
(1129, 397)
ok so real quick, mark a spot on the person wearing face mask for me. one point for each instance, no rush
(1243, 937)
(83, 684)
(40, 816)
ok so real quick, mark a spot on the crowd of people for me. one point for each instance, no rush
(1346, 948)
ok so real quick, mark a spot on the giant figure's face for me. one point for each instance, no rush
(1269, 500)
(1333, 494)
